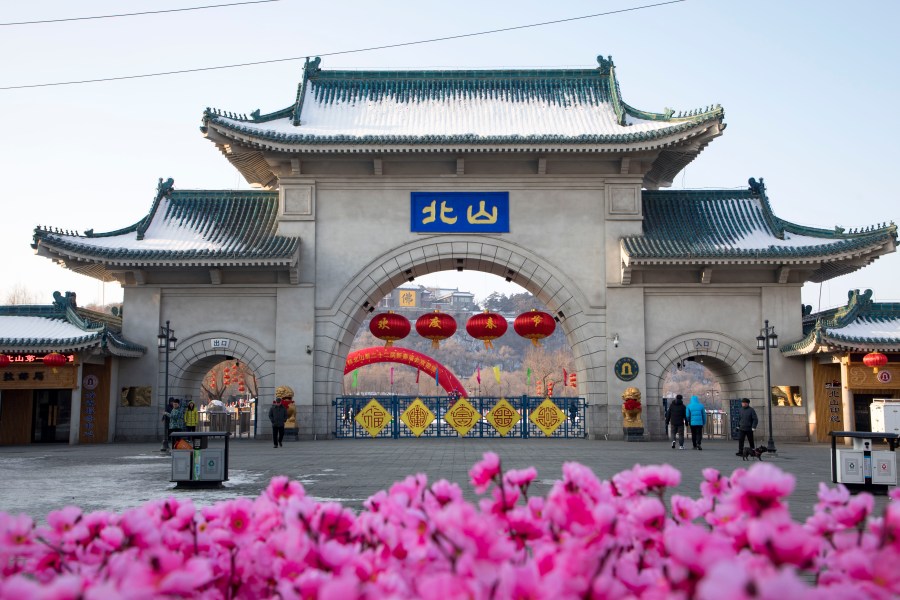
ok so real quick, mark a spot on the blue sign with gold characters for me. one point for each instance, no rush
(626, 368)
(460, 212)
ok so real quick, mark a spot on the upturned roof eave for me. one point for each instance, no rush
(118, 263)
(437, 143)
(776, 259)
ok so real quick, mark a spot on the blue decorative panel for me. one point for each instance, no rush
(459, 212)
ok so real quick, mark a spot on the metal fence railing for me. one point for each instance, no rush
(572, 424)
(239, 424)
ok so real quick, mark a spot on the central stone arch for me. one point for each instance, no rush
(584, 326)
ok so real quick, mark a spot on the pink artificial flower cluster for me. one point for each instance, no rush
(586, 539)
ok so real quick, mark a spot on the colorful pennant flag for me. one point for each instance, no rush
(478, 375)
(392, 375)
(437, 376)
(418, 372)
(528, 376)
(497, 374)
(355, 378)
(565, 381)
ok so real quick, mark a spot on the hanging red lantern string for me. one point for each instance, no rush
(436, 326)
(534, 325)
(875, 360)
(5, 361)
(486, 327)
(389, 327)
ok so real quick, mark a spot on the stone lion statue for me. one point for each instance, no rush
(286, 394)
(631, 408)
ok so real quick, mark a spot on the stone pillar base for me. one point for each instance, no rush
(633, 434)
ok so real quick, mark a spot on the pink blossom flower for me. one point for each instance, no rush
(762, 488)
(484, 471)
(714, 484)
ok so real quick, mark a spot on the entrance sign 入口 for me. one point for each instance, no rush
(459, 212)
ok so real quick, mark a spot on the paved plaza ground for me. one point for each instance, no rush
(41, 478)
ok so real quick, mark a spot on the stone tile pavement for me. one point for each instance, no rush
(37, 479)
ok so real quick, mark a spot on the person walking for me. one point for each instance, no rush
(277, 415)
(676, 418)
(747, 423)
(696, 418)
(191, 417)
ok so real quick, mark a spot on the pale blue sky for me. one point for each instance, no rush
(809, 90)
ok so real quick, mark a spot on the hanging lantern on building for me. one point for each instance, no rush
(875, 360)
(5, 361)
(53, 360)
(534, 325)
(486, 327)
(436, 326)
(389, 327)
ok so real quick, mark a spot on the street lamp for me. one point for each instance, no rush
(765, 340)
(166, 342)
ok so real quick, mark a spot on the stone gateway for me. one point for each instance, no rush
(546, 178)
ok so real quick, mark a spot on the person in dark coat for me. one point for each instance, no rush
(676, 418)
(747, 423)
(696, 418)
(278, 415)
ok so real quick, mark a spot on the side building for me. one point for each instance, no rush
(59, 374)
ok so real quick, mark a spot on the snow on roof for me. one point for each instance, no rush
(169, 235)
(479, 116)
(43, 328)
(869, 328)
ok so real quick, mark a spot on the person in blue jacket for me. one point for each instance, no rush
(696, 418)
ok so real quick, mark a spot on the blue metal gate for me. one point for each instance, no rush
(347, 407)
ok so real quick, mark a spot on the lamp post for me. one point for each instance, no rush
(166, 342)
(765, 340)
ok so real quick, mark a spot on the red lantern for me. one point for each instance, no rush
(486, 327)
(436, 326)
(534, 325)
(5, 361)
(54, 359)
(875, 360)
(389, 327)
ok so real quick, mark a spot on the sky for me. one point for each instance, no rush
(809, 89)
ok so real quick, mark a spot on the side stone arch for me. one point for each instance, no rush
(733, 364)
(584, 325)
(195, 356)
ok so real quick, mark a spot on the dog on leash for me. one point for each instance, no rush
(754, 453)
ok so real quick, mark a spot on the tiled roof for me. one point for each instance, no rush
(186, 228)
(531, 108)
(731, 226)
(61, 327)
(860, 326)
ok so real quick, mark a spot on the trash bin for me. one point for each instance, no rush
(203, 466)
(863, 468)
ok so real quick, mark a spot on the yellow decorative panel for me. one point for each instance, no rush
(373, 418)
(547, 417)
(417, 417)
(462, 416)
(503, 417)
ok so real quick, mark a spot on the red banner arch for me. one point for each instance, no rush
(379, 354)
